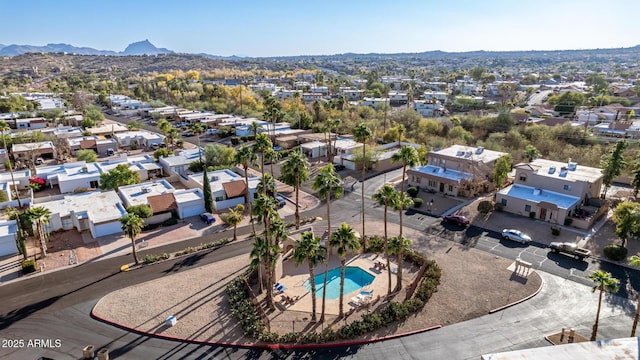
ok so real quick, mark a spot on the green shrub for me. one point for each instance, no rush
(532, 215)
(430, 282)
(235, 140)
(376, 244)
(555, 230)
(568, 221)
(615, 252)
(28, 266)
(412, 191)
(151, 258)
(150, 227)
(170, 221)
(485, 207)
(143, 210)
(417, 202)
(244, 310)
(498, 207)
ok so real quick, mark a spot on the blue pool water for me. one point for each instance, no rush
(354, 279)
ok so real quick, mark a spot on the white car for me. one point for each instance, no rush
(516, 235)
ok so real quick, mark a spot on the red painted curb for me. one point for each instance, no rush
(521, 300)
(262, 346)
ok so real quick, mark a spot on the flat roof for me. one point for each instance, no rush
(33, 146)
(77, 172)
(17, 175)
(137, 194)
(217, 178)
(107, 128)
(537, 195)
(8, 227)
(187, 195)
(470, 152)
(554, 169)
(441, 172)
(626, 348)
(99, 206)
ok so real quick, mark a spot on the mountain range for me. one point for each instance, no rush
(144, 47)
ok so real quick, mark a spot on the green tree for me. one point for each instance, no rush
(245, 157)
(15, 214)
(501, 170)
(636, 179)
(4, 127)
(635, 261)
(255, 128)
(198, 129)
(121, 175)
(134, 125)
(206, 191)
(164, 126)
(331, 126)
(93, 113)
(309, 249)
(161, 153)
(271, 156)
(171, 136)
(343, 239)
(219, 155)
(269, 187)
(401, 202)
(132, 225)
(408, 156)
(603, 281)
(295, 171)
(327, 183)
(41, 216)
(258, 257)
(386, 195)
(362, 134)
(86, 155)
(234, 217)
(531, 153)
(399, 245)
(262, 144)
(143, 210)
(264, 210)
(612, 164)
(627, 218)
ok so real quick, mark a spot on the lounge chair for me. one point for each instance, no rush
(359, 299)
(279, 287)
(366, 292)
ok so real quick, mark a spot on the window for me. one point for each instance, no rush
(503, 202)
(567, 187)
(442, 162)
(450, 187)
(219, 198)
(418, 179)
(527, 208)
(523, 178)
(94, 184)
(433, 183)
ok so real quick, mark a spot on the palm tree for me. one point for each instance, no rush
(163, 125)
(234, 217)
(295, 171)
(309, 249)
(258, 255)
(343, 239)
(399, 245)
(408, 155)
(246, 157)
(635, 261)
(132, 227)
(262, 145)
(41, 216)
(269, 187)
(331, 126)
(5, 127)
(362, 134)
(603, 281)
(254, 127)
(172, 135)
(327, 183)
(386, 196)
(272, 156)
(198, 129)
(264, 210)
(531, 153)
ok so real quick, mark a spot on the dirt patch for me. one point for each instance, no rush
(563, 338)
(64, 248)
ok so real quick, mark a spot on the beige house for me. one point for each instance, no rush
(553, 191)
(457, 171)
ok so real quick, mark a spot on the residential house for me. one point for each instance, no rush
(98, 212)
(314, 149)
(343, 146)
(428, 108)
(179, 164)
(457, 170)
(288, 94)
(107, 130)
(8, 234)
(352, 94)
(11, 188)
(398, 98)
(95, 143)
(227, 188)
(30, 151)
(440, 96)
(373, 102)
(31, 123)
(139, 138)
(553, 191)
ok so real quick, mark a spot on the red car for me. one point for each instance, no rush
(459, 220)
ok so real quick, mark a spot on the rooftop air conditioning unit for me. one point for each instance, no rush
(479, 150)
(146, 190)
(84, 169)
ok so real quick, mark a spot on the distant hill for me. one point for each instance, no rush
(144, 48)
(138, 48)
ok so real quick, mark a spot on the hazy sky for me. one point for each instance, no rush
(303, 27)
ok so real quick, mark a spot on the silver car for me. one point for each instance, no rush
(516, 235)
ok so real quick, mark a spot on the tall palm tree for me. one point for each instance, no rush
(343, 239)
(254, 127)
(163, 125)
(409, 157)
(264, 210)
(245, 157)
(635, 261)
(234, 217)
(309, 249)
(272, 156)
(331, 127)
(294, 172)
(269, 187)
(262, 145)
(40, 215)
(172, 135)
(198, 129)
(327, 183)
(5, 127)
(386, 196)
(132, 227)
(363, 134)
(258, 255)
(398, 245)
(603, 281)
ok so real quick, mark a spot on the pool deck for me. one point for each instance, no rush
(295, 277)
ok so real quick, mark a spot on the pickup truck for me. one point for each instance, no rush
(570, 249)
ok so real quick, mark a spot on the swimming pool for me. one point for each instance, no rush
(354, 279)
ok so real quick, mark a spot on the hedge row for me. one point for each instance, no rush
(151, 258)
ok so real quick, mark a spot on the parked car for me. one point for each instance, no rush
(338, 167)
(208, 218)
(187, 133)
(516, 235)
(459, 220)
(281, 201)
(39, 161)
(110, 151)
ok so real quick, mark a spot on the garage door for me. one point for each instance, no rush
(114, 227)
(193, 210)
(8, 246)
